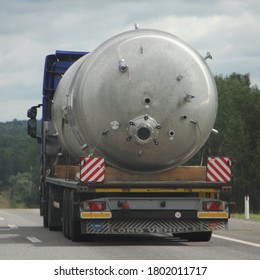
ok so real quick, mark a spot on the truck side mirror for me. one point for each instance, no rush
(32, 122)
(32, 113)
(32, 127)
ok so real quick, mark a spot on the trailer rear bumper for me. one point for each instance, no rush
(144, 215)
(150, 226)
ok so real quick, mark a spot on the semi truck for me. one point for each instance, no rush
(118, 125)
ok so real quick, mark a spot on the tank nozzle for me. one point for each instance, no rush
(123, 67)
(208, 55)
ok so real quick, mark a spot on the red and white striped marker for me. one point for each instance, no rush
(92, 169)
(219, 169)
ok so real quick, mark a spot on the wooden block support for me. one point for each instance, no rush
(66, 171)
(181, 173)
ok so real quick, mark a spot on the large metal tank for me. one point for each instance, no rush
(144, 99)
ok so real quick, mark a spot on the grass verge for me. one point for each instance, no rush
(5, 202)
(252, 216)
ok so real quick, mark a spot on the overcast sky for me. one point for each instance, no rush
(31, 29)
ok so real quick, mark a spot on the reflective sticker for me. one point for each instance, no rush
(92, 169)
(97, 225)
(219, 169)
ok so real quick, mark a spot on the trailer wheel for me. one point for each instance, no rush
(65, 213)
(203, 236)
(74, 223)
(50, 210)
(45, 218)
(53, 214)
(44, 208)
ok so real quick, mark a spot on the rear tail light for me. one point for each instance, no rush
(95, 205)
(214, 206)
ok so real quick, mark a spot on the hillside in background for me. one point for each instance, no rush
(19, 165)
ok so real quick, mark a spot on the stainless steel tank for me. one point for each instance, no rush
(144, 100)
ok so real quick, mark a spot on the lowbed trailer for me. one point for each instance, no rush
(179, 202)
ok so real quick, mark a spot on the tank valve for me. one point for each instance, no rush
(105, 132)
(189, 97)
(123, 67)
(193, 121)
(208, 55)
(84, 147)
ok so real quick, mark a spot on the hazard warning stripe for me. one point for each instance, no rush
(92, 170)
(218, 172)
(223, 167)
(219, 169)
(94, 175)
(89, 164)
(213, 175)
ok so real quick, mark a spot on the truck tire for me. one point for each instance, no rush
(74, 223)
(54, 216)
(195, 236)
(50, 210)
(65, 213)
(44, 207)
(45, 218)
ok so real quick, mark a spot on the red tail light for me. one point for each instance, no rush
(214, 205)
(97, 205)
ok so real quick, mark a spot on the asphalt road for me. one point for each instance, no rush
(22, 237)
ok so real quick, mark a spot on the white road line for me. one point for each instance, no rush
(237, 240)
(8, 235)
(12, 226)
(34, 239)
(2, 219)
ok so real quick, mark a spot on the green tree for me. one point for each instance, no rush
(238, 125)
(19, 162)
(23, 190)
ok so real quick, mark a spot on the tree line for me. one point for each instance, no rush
(19, 164)
(239, 137)
(238, 122)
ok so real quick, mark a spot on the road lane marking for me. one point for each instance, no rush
(2, 219)
(8, 235)
(237, 240)
(33, 239)
(12, 226)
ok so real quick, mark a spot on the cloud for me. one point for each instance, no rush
(32, 29)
